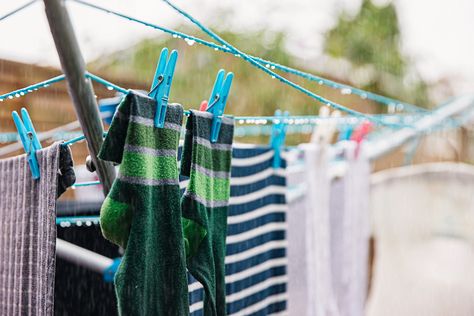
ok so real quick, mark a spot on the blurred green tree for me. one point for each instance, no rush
(371, 41)
(253, 92)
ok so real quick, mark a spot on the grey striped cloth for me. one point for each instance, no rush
(28, 231)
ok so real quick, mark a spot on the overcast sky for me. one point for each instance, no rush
(437, 34)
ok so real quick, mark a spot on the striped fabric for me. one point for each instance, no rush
(142, 210)
(204, 205)
(256, 244)
(28, 234)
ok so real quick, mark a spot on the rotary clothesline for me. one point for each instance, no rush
(190, 40)
(258, 63)
(376, 148)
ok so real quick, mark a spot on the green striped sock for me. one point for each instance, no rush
(142, 211)
(204, 205)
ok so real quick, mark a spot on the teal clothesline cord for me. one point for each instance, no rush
(274, 75)
(106, 83)
(67, 221)
(345, 89)
(46, 83)
(23, 91)
(86, 184)
(17, 10)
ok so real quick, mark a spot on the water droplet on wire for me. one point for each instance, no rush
(346, 91)
(190, 42)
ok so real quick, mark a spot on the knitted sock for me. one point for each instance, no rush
(142, 211)
(204, 205)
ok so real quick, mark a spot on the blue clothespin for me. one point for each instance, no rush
(29, 139)
(161, 85)
(277, 138)
(346, 132)
(218, 100)
(109, 272)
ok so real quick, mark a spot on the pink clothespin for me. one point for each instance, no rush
(360, 133)
(203, 106)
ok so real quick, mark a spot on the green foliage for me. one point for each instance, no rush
(252, 92)
(372, 38)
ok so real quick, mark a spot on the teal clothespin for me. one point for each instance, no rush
(346, 132)
(277, 138)
(109, 272)
(161, 85)
(29, 139)
(218, 100)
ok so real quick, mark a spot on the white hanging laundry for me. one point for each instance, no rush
(423, 222)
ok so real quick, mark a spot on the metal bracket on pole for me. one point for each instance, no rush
(79, 86)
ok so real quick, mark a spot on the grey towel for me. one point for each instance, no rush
(28, 231)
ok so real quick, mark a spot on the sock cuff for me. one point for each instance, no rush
(199, 151)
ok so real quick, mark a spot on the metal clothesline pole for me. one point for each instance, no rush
(79, 86)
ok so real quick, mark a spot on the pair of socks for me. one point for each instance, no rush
(143, 212)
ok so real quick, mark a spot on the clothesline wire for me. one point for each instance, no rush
(268, 64)
(248, 59)
(46, 83)
(17, 10)
(274, 75)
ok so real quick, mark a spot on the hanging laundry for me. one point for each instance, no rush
(28, 230)
(204, 205)
(142, 211)
(321, 301)
(296, 217)
(255, 262)
(423, 225)
(350, 232)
